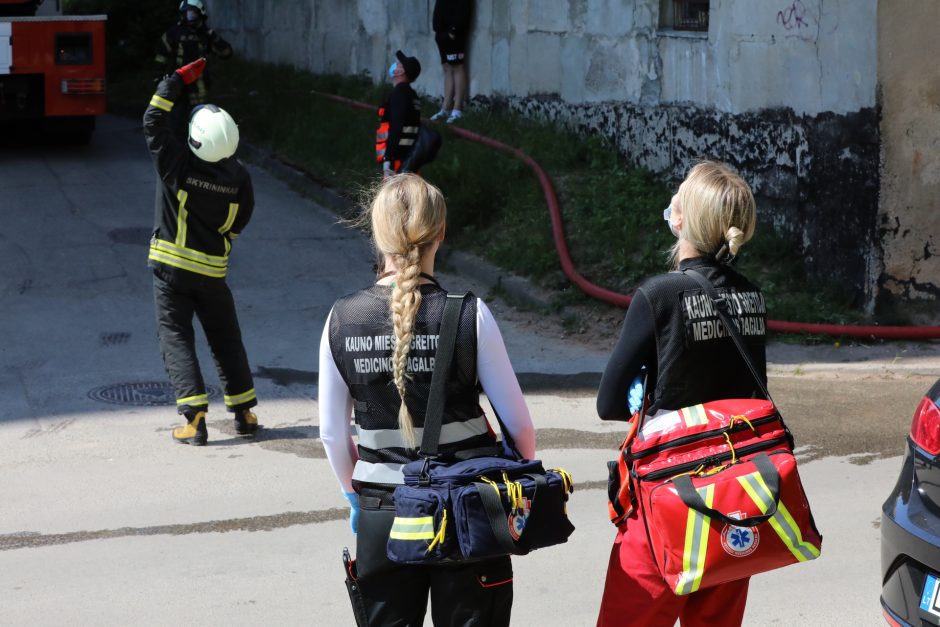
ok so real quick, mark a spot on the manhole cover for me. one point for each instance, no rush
(148, 393)
(133, 235)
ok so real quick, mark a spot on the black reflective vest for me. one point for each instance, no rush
(362, 342)
(696, 361)
(200, 206)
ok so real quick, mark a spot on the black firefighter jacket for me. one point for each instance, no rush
(200, 206)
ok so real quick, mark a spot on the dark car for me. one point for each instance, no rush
(910, 525)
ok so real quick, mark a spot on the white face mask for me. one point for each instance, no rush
(667, 216)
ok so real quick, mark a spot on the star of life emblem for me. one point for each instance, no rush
(518, 518)
(739, 541)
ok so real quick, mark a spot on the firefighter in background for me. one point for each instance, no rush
(204, 200)
(399, 115)
(186, 41)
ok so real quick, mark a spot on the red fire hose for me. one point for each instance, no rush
(623, 300)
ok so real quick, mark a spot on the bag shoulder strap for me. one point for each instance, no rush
(446, 340)
(721, 306)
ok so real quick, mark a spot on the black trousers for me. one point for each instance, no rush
(391, 594)
(178, 300)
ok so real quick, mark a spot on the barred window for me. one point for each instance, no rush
(689, 15)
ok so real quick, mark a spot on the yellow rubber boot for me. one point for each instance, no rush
(194, 432)
(246, 423)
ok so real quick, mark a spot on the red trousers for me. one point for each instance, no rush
(635, 593)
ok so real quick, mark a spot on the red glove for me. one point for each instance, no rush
(192, 71)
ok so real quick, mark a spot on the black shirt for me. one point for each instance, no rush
(671, 329)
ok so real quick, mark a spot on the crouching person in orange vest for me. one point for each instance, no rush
(399, 115)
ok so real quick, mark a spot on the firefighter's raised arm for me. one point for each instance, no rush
(168, 151)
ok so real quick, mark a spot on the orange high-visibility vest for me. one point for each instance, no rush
(381, 137)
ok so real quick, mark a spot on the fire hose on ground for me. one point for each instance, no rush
(623, 300)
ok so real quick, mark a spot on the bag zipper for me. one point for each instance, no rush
(686, 439)
(713, 460)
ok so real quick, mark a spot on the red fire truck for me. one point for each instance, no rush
(52, 69)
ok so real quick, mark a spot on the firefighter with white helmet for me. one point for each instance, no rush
(204, 200)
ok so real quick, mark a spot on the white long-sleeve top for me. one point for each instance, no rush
(493, 370)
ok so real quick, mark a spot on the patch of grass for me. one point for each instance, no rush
(612, 213)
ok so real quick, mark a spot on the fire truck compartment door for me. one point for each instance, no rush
(6, 48)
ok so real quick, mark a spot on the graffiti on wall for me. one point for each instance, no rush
(798, 21)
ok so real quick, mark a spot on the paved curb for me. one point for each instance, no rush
(518, 289)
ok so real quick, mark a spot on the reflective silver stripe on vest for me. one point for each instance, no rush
(410, 129)
(377, 439)
(378, 473)
(404, 141)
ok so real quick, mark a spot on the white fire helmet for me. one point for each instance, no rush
(213, 135)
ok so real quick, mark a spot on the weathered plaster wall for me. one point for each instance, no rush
(910, 192)
(782, 89)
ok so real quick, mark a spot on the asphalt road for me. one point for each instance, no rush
(106, 522)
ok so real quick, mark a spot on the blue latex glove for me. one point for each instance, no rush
(635, 395)
(353, 499)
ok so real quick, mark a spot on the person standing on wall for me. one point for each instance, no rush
(184, 42)
(399, 116)
(712, 215)
(451, 21)
(377, 356)
(204, 200)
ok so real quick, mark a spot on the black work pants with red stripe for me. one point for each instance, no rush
(462, 594)
(179, 297)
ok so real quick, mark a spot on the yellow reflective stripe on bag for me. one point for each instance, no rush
(696, 545)
(781, 522)
(694, 415)
(413, 528)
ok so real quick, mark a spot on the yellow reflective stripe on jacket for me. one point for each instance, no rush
(696, 545)
(187, 259)
(238, 399)
(216, 262)
(421, 528)
(181, 214)
(161, 103)
(781, 522)
(230, 220)
(199, 399)
(694, 415)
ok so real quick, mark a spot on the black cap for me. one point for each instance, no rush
(410, 64)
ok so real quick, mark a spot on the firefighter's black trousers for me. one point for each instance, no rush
(177, 300)
(462, 594)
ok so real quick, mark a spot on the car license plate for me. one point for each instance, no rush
(928, 599)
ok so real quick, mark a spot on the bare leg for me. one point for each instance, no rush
(460, 86)
(448, 103)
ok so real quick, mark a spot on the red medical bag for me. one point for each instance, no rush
(720, 493)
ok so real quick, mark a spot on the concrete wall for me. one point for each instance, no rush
(910, 192)
(785, 90)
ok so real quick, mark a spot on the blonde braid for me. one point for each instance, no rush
(408, 216)
(404, 304)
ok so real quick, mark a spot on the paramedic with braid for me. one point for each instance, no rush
(376, 359)
(204, 200)
(690, 360)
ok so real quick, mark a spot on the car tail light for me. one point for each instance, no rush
(890, 618)
(925, 429)
(83, 86)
